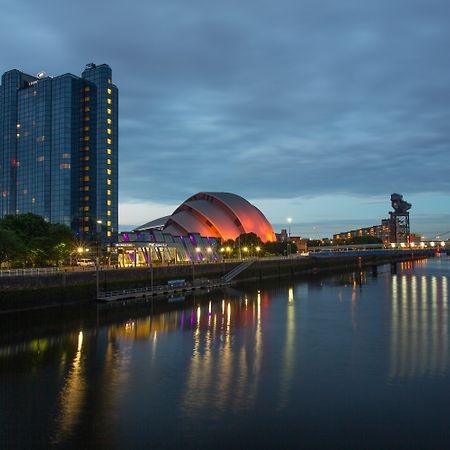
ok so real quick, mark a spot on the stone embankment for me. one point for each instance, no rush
(27, 292)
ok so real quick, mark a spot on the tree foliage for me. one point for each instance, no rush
(28, 240)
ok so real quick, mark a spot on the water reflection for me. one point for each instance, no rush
(224, 374)
(419, 326)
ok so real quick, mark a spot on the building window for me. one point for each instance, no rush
(108, 111)
(109, 223)
(86, 138)
(86, 188)
(86, 168)
(64, 166)
(86, 219)
(86, 128)
(86, 198)
(86, 229)
(109, 121)
(108, 181)
(86, 208)
(108, 213)
(108, 233)
(66, 155)
(108, 171)
(87, 118)
(108, 203)
(18, 125)
(108, 192)
(87, 99)
(87, 89)
(87, 108)
(109, 141)
(109, 80)
(86, 158)
(109, 101)
(108, 130)
(109, 151)
(109, 91)
(86, 178)
(40, 158)
(86, 148)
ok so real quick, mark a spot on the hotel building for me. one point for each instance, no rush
(59, 149)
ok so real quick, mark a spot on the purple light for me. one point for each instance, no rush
(126, 238)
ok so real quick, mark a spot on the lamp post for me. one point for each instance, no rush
(289, 221)
(97, 259)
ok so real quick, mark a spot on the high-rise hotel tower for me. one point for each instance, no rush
(59, 149)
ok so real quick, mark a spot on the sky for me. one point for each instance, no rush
(312, 109)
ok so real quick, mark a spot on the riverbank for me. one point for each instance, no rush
(79, 287)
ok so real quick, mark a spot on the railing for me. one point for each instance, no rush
(32, 271)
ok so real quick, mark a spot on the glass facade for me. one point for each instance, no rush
(59, 149)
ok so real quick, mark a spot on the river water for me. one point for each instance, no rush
(353, 361)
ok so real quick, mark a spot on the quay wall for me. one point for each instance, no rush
(29, 292)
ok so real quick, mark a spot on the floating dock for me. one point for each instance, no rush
(157, 291)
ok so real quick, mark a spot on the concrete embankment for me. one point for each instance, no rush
(78, 287)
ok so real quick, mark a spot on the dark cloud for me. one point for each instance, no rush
(267, 99)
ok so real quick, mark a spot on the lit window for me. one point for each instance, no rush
(108, 191)
(86, 158)
(18, 125)
(86, 138)
(40, 158)
(87, 89)
(109, 80)
(86, 147)
(87, 108)
(86, 219)
(108, 213)
(109, 151)
(108, 130)
(66, 155)
(18, 135)
(86, 198)
(108, 203)
(86, 178)
(109, 91)
(86, 168)
(109, 121)
(86, 208)
(108, 181)
(108, 233)
(109, 141)
(109, 223)
(86, 128)
(108, 111)
(87, 118)
(109, 171)
(86, 228)
(109, 101)
(87, 99)
(86, 188)
(64, 166)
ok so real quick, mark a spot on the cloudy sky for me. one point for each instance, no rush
(314, 109)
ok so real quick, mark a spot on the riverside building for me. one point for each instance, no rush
(59, 149)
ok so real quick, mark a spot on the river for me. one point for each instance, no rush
(351, 361)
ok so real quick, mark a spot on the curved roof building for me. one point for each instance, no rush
(217, 214)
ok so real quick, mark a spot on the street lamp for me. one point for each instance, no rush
(97, 259)
(289, 221)
(258, 249)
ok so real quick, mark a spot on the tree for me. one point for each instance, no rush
(40, 243)
(11, 248)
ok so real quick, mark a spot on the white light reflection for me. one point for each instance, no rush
(419, 328)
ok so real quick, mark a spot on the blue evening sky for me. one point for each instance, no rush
(314, 109)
